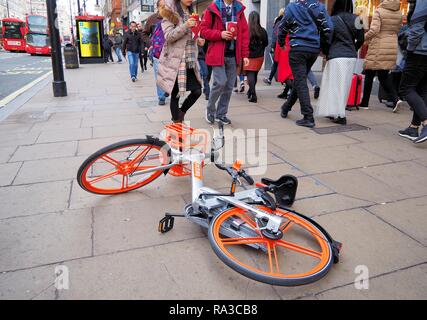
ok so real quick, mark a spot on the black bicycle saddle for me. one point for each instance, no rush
(284, 189)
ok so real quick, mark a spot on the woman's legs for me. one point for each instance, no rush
(174, 104)
(385, 81)
(191, 99)
(367, 88)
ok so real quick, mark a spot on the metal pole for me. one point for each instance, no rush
(59, 85)
(7, 5)
(71, 21)
(78, 8)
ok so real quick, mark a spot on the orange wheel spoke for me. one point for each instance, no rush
(111, 160)
(287, 226)
(140, 168)
(101, 178)
(276, 259)
(270, 259)
(140, 156)
(300, 249)
(237, 241)
(249, 221)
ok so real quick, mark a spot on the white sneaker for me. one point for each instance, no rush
(398, 105)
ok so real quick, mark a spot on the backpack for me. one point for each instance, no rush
(157, 40)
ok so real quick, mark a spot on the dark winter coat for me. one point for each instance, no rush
(131, 42)
(347, 38)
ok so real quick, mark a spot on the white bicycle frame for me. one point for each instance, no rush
(205, 197)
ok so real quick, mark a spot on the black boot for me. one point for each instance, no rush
(306, 122)
(285, 110)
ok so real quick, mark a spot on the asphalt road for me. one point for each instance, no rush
(19, 69)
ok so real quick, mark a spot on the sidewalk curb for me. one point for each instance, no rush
(14, 101)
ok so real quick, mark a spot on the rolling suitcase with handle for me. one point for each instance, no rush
(355, 95)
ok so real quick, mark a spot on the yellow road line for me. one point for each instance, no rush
(12, 96)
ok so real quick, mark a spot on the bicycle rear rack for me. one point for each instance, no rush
(183, 138)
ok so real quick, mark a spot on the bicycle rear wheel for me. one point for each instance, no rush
(114, 169)
(301, 256)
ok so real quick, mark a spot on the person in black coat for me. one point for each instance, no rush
(107, 43)
(132, 44)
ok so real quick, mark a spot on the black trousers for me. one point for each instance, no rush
(413, 86)
(301, 63)
(143, 58)
(252, 81)
(385, 82)
(273, 71)
(196, 91)
(108, 54)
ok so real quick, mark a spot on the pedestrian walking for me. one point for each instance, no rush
(178, 70)
(225, 27)
(258, 41)
(132, 45)
(274, 52)
(309, 27)
(348, 37)
(413, 86)
(107, 43)
(143, 52)
(382, 50)
(117, 45)
(154, 34)
(205, 70)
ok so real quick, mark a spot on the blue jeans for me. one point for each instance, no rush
(118, 53)
(160, 92)
(204, 73)
(133, 58)
(312, 78)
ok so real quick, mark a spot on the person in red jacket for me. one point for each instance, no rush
(226, 52)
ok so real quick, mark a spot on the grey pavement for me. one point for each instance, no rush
(368, 188)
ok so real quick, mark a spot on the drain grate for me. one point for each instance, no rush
(340, 129)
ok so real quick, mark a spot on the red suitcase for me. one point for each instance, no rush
(355, 96)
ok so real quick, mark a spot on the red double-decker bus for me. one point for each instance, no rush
(13, 33)
(37, 35)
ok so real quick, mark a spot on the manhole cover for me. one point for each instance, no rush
(340, 129)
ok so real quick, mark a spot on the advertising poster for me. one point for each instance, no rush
(90, 44)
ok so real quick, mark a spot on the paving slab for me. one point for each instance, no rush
(14, 140)
(182, 270)
(44, 151)
(49, 170)
(138, 130)
(332, 159)
(407, 284)
(399, 150)
(357, 184)
(135, 225)
(31, 284)
(318, 205)
(56, 125)
(65, 135)
(409, 216)
(45, 238)
(310, 140)
(8, 172)
(366, 241)
(6, 153)
(404, 176)
(34, 198)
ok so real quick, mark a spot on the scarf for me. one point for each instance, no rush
(188, 61)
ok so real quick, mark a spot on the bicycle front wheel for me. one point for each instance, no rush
(300, 256)
(114, 169)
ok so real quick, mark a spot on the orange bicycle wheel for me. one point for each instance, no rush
(300, 256)
(114, 169)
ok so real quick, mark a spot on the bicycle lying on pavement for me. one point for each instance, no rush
(253, 231)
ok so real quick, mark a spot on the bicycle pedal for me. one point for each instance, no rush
(166, 224)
